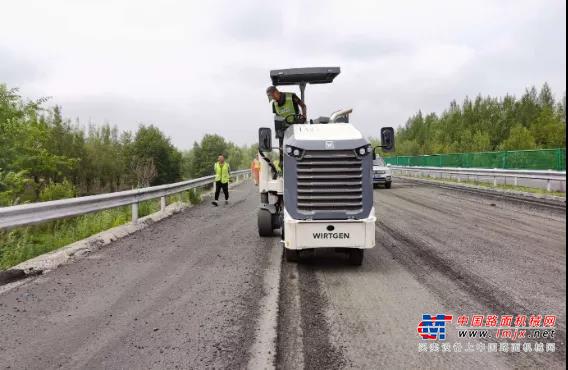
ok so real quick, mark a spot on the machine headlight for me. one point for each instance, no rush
(363, 151)
(293, 152)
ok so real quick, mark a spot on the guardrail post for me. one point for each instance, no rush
(134, 212)
(516, 181)
(494, 181)
(549, 185)
(162, 204)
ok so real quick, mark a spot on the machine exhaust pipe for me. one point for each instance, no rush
(340, 113)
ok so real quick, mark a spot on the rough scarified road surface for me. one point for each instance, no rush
(438, 251)
(188, 291)
(182, 293)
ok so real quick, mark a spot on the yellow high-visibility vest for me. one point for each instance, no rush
(287, 108)
(222, 172)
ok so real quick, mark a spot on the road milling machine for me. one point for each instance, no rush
(320, 194)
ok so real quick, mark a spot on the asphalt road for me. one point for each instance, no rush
(438, 251)
(189, 291)
(183, 293)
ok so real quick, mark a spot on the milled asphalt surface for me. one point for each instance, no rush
(438, 251)
(183, 293)
(186, 292)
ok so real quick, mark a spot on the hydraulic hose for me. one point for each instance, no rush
(272, 167)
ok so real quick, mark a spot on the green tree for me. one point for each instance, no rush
(481, 142)
(198, 161)
(150, 143)
(44, 156)
(12, 187)
(547, 130)
(487, 124)
(187, 158)
(519, 138)
(205, 154)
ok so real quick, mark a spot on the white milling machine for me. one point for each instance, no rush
(323, 197)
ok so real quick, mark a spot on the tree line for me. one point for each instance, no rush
(44, 156)
(535, 121)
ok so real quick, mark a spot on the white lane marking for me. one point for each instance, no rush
(263, 350)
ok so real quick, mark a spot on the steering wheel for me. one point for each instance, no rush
(294, 119)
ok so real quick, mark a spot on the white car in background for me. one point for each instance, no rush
(382, 174)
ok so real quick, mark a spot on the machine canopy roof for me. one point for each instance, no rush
(297, 76)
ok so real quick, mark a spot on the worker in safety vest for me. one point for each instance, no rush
(255, 169)
(222, 175)
(285, 105)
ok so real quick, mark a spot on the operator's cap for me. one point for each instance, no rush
(271, 89)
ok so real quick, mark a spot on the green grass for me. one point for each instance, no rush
(524, 189)
(23, 243)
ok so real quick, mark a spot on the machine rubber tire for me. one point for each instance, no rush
(264, 223)
(388, 185)
(356, 257)
(291, 255)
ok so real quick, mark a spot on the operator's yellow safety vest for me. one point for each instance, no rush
(222, 172)
(277, 165)
(288, 107)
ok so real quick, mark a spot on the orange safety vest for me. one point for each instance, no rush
(255, 165)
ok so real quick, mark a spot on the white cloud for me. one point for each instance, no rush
(196, 67)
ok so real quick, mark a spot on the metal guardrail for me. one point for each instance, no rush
(478, 173)
(35, 213)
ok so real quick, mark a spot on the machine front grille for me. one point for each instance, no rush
(330, 181)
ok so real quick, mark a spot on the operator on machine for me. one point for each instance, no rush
(285, 104)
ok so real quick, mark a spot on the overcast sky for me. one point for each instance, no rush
(193, 68)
